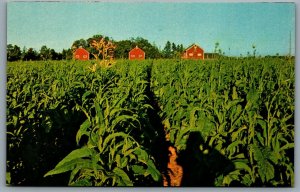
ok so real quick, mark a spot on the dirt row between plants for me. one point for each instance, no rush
(174, 174)
(171, 171)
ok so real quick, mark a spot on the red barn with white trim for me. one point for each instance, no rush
(136, 54)
(81, 54)
(193, 52)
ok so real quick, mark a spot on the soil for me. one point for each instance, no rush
(173, 177)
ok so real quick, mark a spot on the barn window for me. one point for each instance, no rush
(199, 54)
(84, 56)
(77, 56)
(132, 55)
(140, 55)
(191, 54)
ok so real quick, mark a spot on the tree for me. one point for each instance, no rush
(171, 50)
(177, 52)
(154, 52)
(30, 55)
(167, 51)
(180, 48)
(23, 53)
(174, 49)
(79, 43)
(45, 53)
(123, 48)
(54, 55)
(13, 52)
(150, 50)
(67, 54)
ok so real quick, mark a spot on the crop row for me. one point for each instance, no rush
(114, 142)
(231, 121)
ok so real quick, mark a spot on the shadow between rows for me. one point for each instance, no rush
(201, 168)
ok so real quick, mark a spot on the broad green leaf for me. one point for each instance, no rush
(83, 130)
(155, 174)
(234, 93)
(287, 146)
(265, 168)
(124, 162)
(76, 154)
(247, 180)
(99, 115)
(112, 136)
(260, 138)
(124, 118)
(141, 155)
(232, 176)
(15, 120)
(67, 166)
(84, 182)
(138, 169)
(86, 94)
(124, 180)
(242, 164)
(232, 147)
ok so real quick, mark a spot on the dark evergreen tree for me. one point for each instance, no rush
(167, 51)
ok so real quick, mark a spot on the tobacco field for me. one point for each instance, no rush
(230, 120)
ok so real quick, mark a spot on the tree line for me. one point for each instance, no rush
(170, 50)
(14, 53)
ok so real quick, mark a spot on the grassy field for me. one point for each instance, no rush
(231, 122)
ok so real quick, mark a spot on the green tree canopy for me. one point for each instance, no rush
(31, 54)
(45, 53)
(167, 51)
(67, 54)
(13, 52)
(123, 48)
(152, 52)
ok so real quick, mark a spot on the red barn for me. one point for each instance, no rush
(81, 54)
(136, 54)
(193, 52)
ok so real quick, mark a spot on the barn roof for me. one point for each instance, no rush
(136, 47)
(194, 44)
(81, 48)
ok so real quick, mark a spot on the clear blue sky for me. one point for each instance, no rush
(236, 26)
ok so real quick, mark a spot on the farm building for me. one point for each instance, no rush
(193, 52)
(81, 54)
(136, 54)
(211, 55)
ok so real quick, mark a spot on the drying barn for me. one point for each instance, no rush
(193, 52)
(136, 54)
(81, 54)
